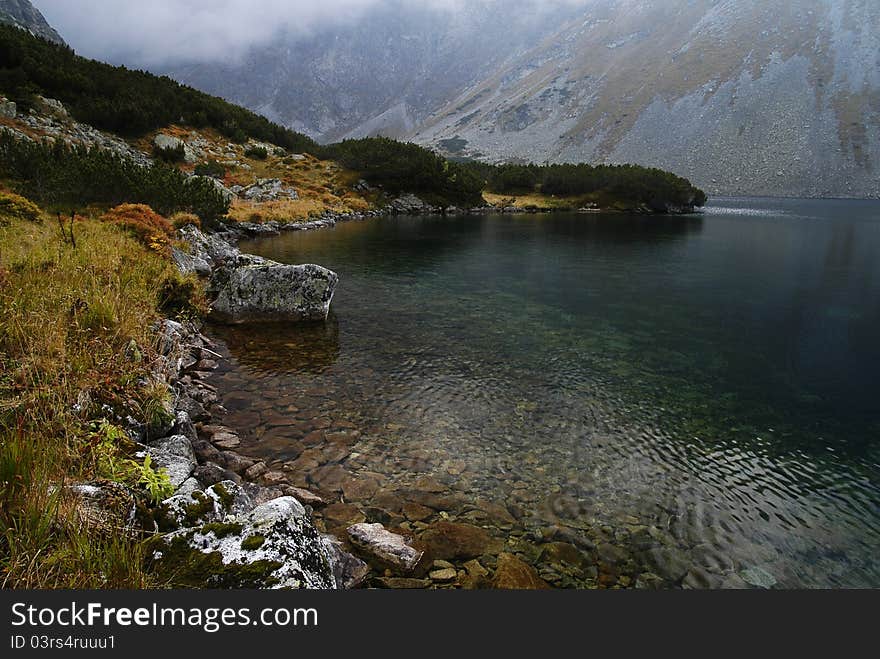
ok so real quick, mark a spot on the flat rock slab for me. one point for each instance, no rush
(514, 574)
(226, 441)
(454, 541)
(403, 583)
(386, 547)
(444, 575)
(304, 496)
(342, 514)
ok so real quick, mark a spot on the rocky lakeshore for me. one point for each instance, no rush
(413, 205)
(274, 521)
(425, 534)
(322, 513)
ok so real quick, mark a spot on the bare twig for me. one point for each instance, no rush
(61, 226)
(72, 238)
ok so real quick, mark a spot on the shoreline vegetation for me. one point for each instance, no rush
(118, 162)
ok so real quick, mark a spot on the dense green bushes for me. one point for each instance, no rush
(61, 174)
(630, 184)
(211, 168)
(652, 187)
(256, 152)
(120, 100)
(400, 167)
(170, 154)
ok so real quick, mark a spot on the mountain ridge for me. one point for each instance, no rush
(778, 99)
(22, 14)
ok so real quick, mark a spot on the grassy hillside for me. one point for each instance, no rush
(75, 350)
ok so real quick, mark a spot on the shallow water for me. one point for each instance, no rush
(687, 400)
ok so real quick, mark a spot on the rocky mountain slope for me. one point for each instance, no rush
(384, 74)
(741, 97)
(23, 14)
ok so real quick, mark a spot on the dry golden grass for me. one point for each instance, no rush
(68, 318)
(299, 210)
(321, 186)
(536, 200)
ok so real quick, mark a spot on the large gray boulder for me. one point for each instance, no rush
(203, 252)
(409, 204)
(248, 288)
(200, 507)
(8, 109)
(273, 546)
(265, 291)
(191, 155)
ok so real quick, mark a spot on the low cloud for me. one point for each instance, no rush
(162, 31)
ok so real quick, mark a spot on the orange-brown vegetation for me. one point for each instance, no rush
(151, 229)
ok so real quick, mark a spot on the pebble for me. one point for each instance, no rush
(758, 577)
(271, 478)
(444, 575)
(255, 471)
(226, 441)
(402, 583)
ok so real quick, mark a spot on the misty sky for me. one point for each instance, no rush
(156, 32)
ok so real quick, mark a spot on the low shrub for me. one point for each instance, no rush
(59, 174)
(151, 229)
(16, 207)
(182, 297)
(211, 168)
(170, 154)
(256, 152)
(180, 220)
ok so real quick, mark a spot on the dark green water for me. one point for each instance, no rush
(695, 396)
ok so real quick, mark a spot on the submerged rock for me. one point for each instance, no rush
(348, 571)
(514, 574)
(385, 547)
(454, 541)
(758, 577)
(444, 575)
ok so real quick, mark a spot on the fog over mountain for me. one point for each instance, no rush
(741, 96)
